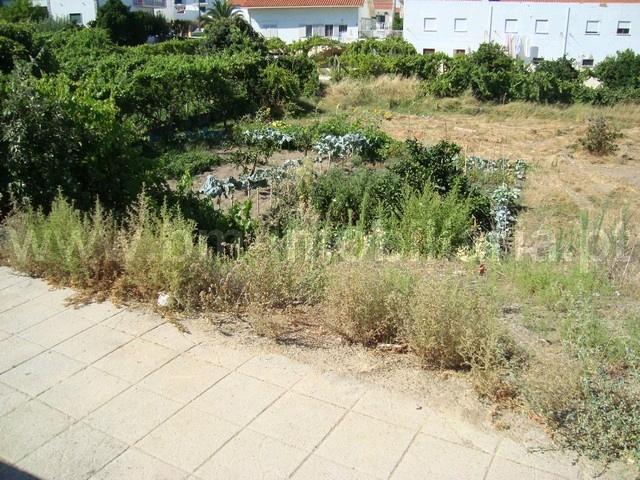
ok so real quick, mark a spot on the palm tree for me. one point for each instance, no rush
(220, 9)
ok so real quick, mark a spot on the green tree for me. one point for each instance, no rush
(220, 9)
(22, 11)
(56, 138)
(492, 71)
(130, 28)
(620, 71)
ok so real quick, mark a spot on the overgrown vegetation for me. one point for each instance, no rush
(378, 240)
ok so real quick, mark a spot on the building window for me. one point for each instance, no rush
(270, 30)
(511, 25)
(308, 31)
(342, 30)
(430, 25)
(428, 51)
(458, 52)
(624, 28)
(460, 25)
(537, 60)
(328, 31)
(593, 27)
(587, 62)
(542, 26)
(75, 18)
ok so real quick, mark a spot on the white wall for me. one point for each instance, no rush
(87, 8)
(290, 22)
(486, 21)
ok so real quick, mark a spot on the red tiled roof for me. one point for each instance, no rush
(296, 3)
(601, 2)
(383, 4)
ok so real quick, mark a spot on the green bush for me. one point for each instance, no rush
(343, 199)
(66, 246)
(620, 71)
(431, 225)
(20, 42)
(491, 73)
(129, 28)
(439, 165)
(57, 139)
(600, 137)
(192, 162)
(452, 324)
(368, 302)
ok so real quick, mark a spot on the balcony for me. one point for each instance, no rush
(374, 28)
(150, 3)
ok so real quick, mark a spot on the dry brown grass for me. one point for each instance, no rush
(382, 92)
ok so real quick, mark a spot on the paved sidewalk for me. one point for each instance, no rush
(105, 393)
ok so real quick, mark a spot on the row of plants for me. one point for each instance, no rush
(489, 72)
(98, 119)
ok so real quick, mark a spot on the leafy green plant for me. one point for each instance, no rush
(600, 137)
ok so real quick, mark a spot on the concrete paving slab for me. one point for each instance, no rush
(184, 378)
(4, 335)
(75, 454)
(430, 457)
(41, 372)
(98, 311)
(132, 414)
(30, 425)
(135, 360)
(10, 398)
(188, 439)
(132, 322)
(331, 387)
(275, 369)
(21, 292)
(134, 464)
(219, 408)
(298, 420)
(549, 461)
(57, 328)
(83, 392)
(251, 455)
(8, 278)
(238, 398)
(320, 468)
(93, 343)
(169, 336)
(16, 350)
(22, 317)
(503, 469)
(230, 358)
(369, 445)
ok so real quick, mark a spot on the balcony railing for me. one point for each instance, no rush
(150, 3)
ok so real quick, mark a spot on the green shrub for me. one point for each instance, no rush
(491, 73)
(160, 253)
(65, 246)
(56, 138)
(439, 165)
(342, 198)
(620, 71)
(452, 324)
(600, 137)
(193, 162)
(277, 272)
(431, 225)
(367, 302)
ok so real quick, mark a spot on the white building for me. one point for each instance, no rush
(293, 20)
(586, 30)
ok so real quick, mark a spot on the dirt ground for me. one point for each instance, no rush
(563, 180)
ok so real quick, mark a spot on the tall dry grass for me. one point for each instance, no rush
(385, 92)
(406, 95)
